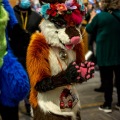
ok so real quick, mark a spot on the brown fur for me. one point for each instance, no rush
(79, 48)
(71, 32)
(40, 115)
(37, 60)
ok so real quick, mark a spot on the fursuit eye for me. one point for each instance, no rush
(56, 31)
(78, 26)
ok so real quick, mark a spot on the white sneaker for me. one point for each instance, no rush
(105, 108)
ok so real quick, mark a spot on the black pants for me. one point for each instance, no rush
(107, 73)
(22, 60)
(9, 113)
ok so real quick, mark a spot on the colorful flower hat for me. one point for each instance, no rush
(70, 12)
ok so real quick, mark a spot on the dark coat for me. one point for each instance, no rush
(20, 38)
(107, 29)
(33, 19)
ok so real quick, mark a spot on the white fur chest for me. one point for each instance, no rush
(49, 101)
(56, 63)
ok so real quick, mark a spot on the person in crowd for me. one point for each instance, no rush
(93, 6)
(14, 82)
(29, 20)
(107, 27)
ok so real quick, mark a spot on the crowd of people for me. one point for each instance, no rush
(102, 26)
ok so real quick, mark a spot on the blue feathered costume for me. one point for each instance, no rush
(14, 82)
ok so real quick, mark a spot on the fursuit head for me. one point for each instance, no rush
(56, 62)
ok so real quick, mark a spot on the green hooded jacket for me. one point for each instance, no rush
(107, 29)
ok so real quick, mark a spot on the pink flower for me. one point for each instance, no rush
(61, 7)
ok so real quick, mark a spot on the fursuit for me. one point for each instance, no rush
(55, 64)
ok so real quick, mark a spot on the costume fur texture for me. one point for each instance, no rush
(3, 24)
(44, 61)
(14, 83)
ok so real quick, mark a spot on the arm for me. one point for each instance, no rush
(69, 76)
(39, 70)
(92, 15)
(9, 9)
(73, 74)
(92, 25)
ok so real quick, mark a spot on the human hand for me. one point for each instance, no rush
(92, 15)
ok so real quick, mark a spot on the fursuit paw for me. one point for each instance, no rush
(44, 85)
(72, 73)
(86, 70)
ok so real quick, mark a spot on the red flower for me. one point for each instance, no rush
(53, 6)
(52, 11)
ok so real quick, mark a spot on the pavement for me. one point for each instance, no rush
(90, 101)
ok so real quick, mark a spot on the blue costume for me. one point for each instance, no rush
(14, 82)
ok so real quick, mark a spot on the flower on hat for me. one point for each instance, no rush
(52, 11)
(69, 5)
(44, 9)
(61, 8)
(82, 8)
(71, 11)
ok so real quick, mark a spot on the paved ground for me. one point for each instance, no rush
(90, 100)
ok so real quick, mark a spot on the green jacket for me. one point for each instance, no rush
(107, 29)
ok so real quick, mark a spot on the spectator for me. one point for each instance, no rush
(107, 27)
(29, 20)
(94, 7)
